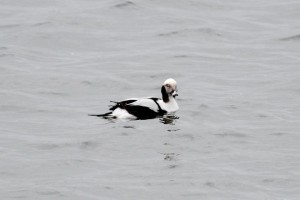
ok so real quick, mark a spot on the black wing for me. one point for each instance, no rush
(122, 104)
(141, 112)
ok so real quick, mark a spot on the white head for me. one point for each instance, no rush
(169, 89)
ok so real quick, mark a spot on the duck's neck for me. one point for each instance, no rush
(171, 99)
(171, 105)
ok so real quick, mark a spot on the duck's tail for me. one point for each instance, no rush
(101, 115)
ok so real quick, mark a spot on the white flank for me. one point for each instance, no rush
(122, 114)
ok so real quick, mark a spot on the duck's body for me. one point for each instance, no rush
(147, 107)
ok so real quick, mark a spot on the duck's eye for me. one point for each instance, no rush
(168, 85)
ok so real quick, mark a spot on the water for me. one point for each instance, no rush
(237, 68)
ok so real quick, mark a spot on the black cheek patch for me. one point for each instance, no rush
(165, 95)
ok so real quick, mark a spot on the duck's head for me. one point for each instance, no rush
(169, 89)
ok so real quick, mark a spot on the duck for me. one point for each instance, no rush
(146, 107)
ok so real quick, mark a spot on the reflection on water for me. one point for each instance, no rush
(168, 119)
(165, 119)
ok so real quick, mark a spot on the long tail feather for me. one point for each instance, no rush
(101, 115)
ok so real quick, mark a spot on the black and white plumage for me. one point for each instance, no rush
(147, 107)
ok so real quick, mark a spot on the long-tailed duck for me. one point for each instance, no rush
(147, 107)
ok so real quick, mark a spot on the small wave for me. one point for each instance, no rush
(231, 134)
(88, 145)
(129, 126)
(42, 23)
(125, 4)
(169, 33)
(7, 55)
(294, 37)
(203, 31)
(7, 26)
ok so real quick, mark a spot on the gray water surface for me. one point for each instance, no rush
(237, 68)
